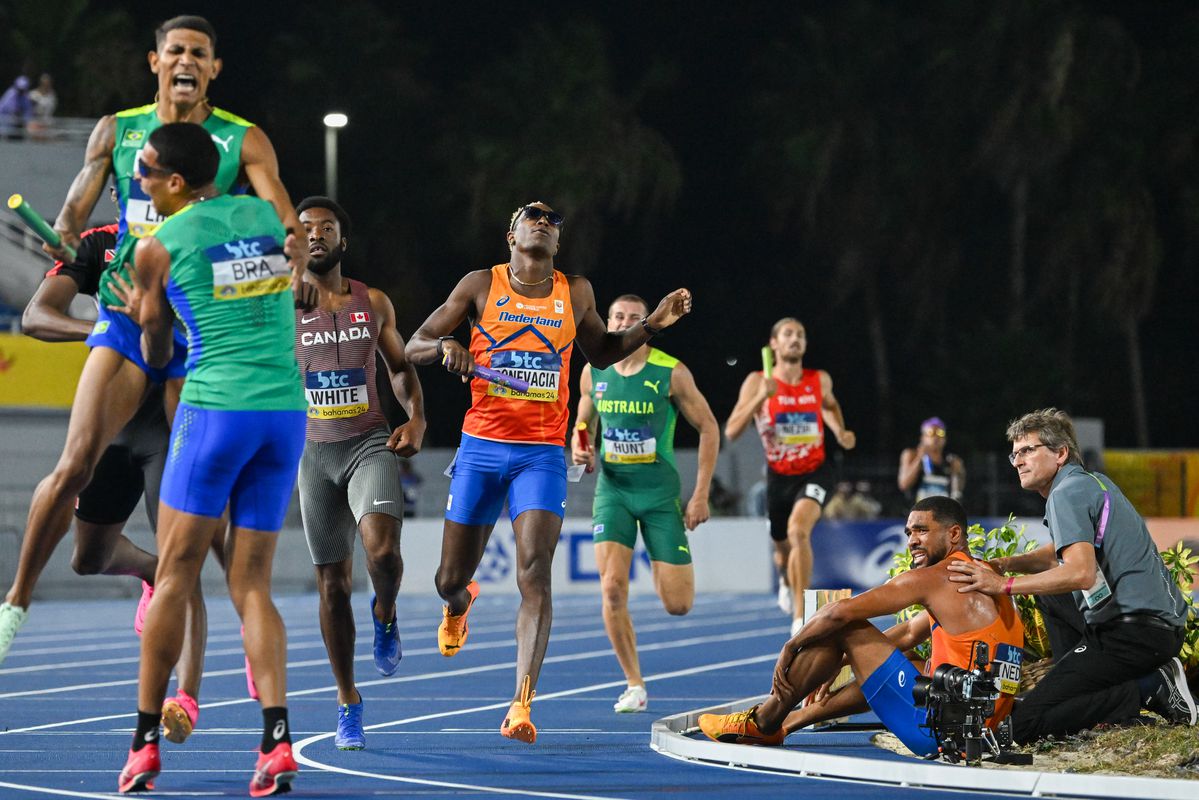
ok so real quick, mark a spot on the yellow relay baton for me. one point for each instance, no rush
(767, 361)
(36, 224)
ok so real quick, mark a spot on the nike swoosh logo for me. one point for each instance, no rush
(306, 320)
(381, 502)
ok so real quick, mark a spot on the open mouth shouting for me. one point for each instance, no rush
(185, 83)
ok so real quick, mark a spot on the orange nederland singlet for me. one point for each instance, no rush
(528, 338)
(1005, 641)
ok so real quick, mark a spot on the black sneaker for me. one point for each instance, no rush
(1172, 701)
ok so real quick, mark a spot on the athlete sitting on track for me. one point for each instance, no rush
(841, 631)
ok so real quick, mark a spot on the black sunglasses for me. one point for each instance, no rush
(533, 213)
(144, 170)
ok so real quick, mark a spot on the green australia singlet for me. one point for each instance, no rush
(138, 218)
(637, 420)
(230, 286)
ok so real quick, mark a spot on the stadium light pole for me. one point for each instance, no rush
(334, 122)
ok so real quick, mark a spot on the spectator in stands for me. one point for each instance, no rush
(45, 103)
(850, 502)
(16, 109)
(927, 470)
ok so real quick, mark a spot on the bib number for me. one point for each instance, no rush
(336, 393)
(248, 268)
(1007, 668)
(630, 446)
(542, 371)
(796, 428)
(140, 216)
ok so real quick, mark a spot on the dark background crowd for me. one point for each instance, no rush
(975, 208)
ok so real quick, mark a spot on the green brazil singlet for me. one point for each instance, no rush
(138, 218)
(230, 286)
(637, 421)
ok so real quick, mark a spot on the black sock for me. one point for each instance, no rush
(274, 727)
(147, 729)
(1148, 684)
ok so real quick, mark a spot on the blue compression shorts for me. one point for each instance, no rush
(530, 476)
(246, 459)
(116, 331)
(888, 690)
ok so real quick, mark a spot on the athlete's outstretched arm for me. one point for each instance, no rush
(602, 348)
(406, 439)
(426, 347)
(695, 409)
(834, 420)
(151, 268)
(46, 315)
(262, 169)
(86, 188)
(755, 390)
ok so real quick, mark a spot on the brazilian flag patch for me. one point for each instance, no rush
(133, 138)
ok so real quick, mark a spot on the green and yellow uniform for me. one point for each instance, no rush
(138, 218)
(230, 287)
(639, 481)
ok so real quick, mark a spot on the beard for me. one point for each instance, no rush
(328, 261)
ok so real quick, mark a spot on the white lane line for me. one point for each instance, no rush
(303, 759)
(427, 676)
(591, 633)
(119, 641)
(56, 792)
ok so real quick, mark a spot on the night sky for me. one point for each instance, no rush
(737, 105)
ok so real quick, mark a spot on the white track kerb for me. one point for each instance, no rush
(670, 736)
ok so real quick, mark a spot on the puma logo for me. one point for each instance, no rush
(653, 385)
(224, 143)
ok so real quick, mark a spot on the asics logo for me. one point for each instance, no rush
(903, 678)
(280, 730)
(1082, 649)
(150, 737)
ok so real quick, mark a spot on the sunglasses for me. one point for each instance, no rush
(533, 213)
(143, 170)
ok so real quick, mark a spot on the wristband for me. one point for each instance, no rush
(1007, 587)
(652, 331)
(440, 339)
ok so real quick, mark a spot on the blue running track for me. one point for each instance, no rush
(68, 696)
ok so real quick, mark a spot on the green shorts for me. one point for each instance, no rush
(617, 513)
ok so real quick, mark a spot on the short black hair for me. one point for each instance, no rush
(329, 204)
(188, 22)
(187, 148)
(945, 510)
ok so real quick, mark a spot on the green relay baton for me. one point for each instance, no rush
(767, 361)
(37, 224)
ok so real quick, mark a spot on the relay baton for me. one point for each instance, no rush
(767, 360)
(494, 376)
(37, 224)
(584, 439)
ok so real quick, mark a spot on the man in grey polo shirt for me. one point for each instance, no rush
(1101, 551)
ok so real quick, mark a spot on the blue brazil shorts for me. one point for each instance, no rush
(484, 473)
(116, 331)
(246, 459)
